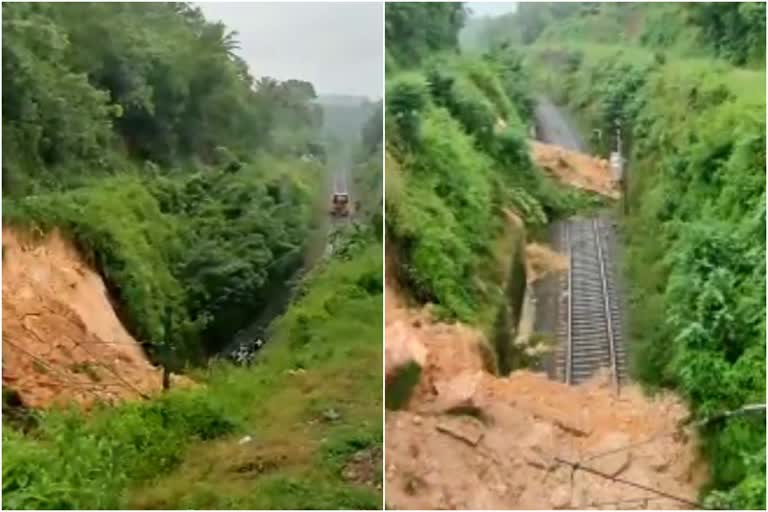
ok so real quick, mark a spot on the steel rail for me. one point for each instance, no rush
(606, 306)
(569, 330)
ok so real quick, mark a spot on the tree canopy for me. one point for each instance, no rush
(87, 83)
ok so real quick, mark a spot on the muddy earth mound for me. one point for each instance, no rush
(62, 340)
(574, 168)
(470, 440)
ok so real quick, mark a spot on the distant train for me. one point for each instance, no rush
(340, 204)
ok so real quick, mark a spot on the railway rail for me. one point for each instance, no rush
(591, 324)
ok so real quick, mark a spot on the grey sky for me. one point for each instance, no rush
(480, 9)
(336, 46)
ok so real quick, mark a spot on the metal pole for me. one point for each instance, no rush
(607, 306)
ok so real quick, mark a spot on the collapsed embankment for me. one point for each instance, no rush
(62, 340)
(468, 439)
(469, 435)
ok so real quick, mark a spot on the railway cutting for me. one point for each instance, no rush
(591, 323)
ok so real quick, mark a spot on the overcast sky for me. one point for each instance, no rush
(336, 46)
(491, 8)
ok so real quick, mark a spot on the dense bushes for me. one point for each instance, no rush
(76, 462)
(139, 131)
(119, 225)
(190, 258)
(695, 235)
(730, 31)
(415, 30)
(457, 157)
(443, 217)
(88, 84)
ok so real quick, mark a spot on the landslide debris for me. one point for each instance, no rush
(470, 440)
(62, 340)
(541, 260)
(574, 168)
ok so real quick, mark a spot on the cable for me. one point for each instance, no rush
(644, 499)
(576, 466)
(67, 379)
(80, 345)
(627, 447)
(115, 373)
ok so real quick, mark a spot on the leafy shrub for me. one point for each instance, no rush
(118, 224)
(445, 194)
(188, 256)
(437, 223)
(76, 462)
(407, 96)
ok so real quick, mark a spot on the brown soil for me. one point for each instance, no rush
(541, 260)
(573, 168)
(471, 440)
(364, 468)
(62, 340)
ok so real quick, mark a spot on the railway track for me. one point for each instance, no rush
(590, 312)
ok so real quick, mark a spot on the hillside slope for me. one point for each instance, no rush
(62, 339)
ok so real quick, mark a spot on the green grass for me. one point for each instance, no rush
(310, 403)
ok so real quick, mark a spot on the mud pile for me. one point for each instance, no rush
(62, 340)
(541, 260)
(576, 169)
(470, 440)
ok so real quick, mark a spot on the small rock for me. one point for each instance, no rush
(658, 459)
(613, 463)
(463, 429)
(245, 440)
(417, 420)
(536, 459)
(331, 414)
(560, 497)
(458, 391)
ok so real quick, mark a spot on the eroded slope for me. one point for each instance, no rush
(470, 440)
(62, 340)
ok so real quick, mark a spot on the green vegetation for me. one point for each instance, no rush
(87, 84)
(190, 257)
(731, 31)
(400, 386)
(695, 229)
(137, 131)
(326, 344)
(457, 158)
